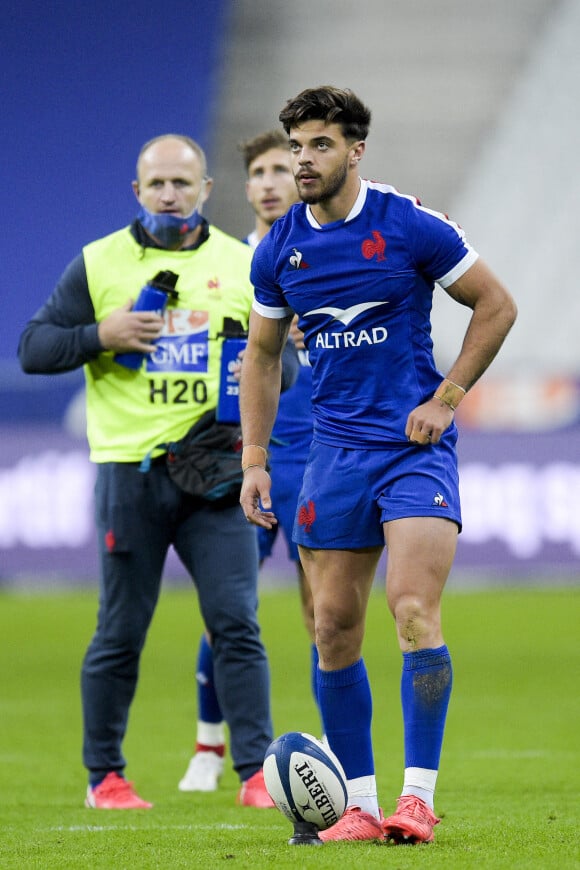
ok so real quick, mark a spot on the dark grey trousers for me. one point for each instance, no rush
(138, 517)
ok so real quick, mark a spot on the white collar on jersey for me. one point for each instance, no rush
(253, 239)
(355, 210)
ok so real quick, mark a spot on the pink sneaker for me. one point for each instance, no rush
(354, 825)
(253, 793)
(115, 793)
(413, 822)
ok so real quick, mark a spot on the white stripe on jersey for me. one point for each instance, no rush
(388, 188)
(460, 268)
(272, 313)
(252, 239)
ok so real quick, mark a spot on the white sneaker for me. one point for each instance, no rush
(203, 773)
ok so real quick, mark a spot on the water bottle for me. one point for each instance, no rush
(235, 340)
(153, 297)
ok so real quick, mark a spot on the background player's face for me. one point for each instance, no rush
(270, 187)
(320, 160)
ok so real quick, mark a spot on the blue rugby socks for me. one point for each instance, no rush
(346, 708)
(425, 691)
(210, 725)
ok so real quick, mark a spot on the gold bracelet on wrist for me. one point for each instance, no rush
(254, 455)
(449, 393)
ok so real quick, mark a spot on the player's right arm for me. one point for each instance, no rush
(259, 395)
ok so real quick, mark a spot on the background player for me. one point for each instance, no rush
(271, 190)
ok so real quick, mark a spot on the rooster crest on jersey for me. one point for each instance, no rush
(374, 247)
(305, 780)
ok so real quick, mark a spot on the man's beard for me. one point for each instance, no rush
(329, 188)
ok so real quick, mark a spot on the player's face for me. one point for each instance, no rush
(270, 187)
(321, 158)
(170, 179)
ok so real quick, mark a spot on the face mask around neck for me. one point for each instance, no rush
(169, 229)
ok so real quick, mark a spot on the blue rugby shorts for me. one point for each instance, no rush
(286, 484)
(347, 494)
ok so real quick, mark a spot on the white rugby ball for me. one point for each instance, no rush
(305, 779)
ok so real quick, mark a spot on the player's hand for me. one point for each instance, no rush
(236, 367)
(127, 330)
(255, 497)
(427, 423)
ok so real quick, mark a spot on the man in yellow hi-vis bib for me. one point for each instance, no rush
(152, 367)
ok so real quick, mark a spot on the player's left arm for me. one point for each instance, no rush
(494, 313)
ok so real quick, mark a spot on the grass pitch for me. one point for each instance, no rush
(508, 790)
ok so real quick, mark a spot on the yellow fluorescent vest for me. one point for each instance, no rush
(128, 411)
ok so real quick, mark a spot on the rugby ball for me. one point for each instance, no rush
(305, 780)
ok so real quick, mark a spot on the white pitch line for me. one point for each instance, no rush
(98, 828)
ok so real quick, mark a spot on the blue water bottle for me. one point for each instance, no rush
(153, 297)
(235, 340)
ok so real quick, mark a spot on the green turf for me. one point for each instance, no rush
(508, 790)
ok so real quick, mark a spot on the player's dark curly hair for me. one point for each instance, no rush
(331, 105)
(258, 145)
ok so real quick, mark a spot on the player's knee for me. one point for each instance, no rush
(414, 620)
(338, 641)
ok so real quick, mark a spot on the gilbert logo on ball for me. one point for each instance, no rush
(305, 780)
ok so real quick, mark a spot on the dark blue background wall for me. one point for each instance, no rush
(84, 85)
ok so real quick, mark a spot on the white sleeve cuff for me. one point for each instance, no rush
(458, 270)
(272, 313)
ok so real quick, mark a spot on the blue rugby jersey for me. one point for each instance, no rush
(363, 290)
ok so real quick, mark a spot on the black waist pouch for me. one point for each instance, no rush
(206, 462)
